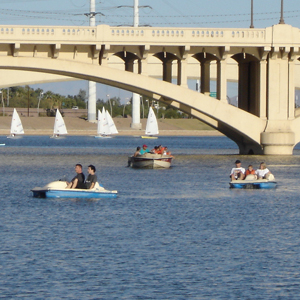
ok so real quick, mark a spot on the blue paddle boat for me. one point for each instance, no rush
(252, 183)
(57, 189)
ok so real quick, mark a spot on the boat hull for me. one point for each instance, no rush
(57, 189)
(151, 161)
(253, 184)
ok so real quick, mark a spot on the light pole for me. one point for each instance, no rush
(281, 21)
(251, 25)
(125, 106)
(38, 108)
(3, 110)
(109, 104)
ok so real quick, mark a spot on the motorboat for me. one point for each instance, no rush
(105, 126)
(250, 182)
(151, 126)
(59, 126)
(150, 161)
(16, 127)
(57, 189)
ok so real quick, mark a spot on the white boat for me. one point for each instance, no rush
(57, 189)
(16, 127)
(151, 126)
(59, 125)
(150, 161)
(105, 126)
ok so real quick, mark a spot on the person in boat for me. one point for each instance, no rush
(78, 181)
(92, 177)
(160, 149)
(166, 151)
(154, 150)
(263, 172)
(137, 152)
(237, 173)
(250, 171)
(144, 150)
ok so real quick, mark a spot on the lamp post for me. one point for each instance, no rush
(38, 108)
(3, 109)
(125, 106)
(251, 25)
(281, 21)
(109, 104)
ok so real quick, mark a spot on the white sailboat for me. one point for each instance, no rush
(99, 124)
(111, 124)
(106, 126)
(151, 126)
(59, 125)
(16, 125)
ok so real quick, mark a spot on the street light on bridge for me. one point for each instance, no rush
(281, 21)
(251, 25)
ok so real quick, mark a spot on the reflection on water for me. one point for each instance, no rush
(179, 233)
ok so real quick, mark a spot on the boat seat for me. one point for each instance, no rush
(251, 177)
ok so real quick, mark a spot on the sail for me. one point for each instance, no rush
(59, 124)
(16, 124)
(111, 124)
(151, 127)
(104, 128)
(99, 121)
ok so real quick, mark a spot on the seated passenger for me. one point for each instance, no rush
(250, 171)
(263, 172)
(160, 149)
(92, 177)
(78, 181)
(137, 152)
(144, 150)
(166, 151)
(237, 173)
(154, 150)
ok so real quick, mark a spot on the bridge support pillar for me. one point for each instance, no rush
(205, 77)
(222, 81)
(278, 143)
(92, 102)
(136, 120)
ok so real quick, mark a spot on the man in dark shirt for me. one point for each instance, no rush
(78, 181)
(92, 177)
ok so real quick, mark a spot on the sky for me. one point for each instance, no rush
(155, 13)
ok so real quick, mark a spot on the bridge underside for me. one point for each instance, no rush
(244, 128)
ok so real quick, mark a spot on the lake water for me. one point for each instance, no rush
(178, 233)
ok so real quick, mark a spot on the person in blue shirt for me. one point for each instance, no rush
(144, 150)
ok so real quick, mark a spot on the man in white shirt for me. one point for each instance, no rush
(237, 173)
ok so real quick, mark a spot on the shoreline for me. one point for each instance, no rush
(76, 126)
(121, 132)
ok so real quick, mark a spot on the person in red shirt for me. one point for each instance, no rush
(250, 171)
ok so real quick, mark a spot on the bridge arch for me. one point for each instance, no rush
(226, 118)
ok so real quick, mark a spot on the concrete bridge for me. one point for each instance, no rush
(157, 62)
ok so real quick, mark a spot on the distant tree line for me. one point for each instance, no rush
(27, 97)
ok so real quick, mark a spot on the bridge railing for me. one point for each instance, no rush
(129, 35)
(149, 35)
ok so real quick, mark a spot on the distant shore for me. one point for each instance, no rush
(77, 126)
